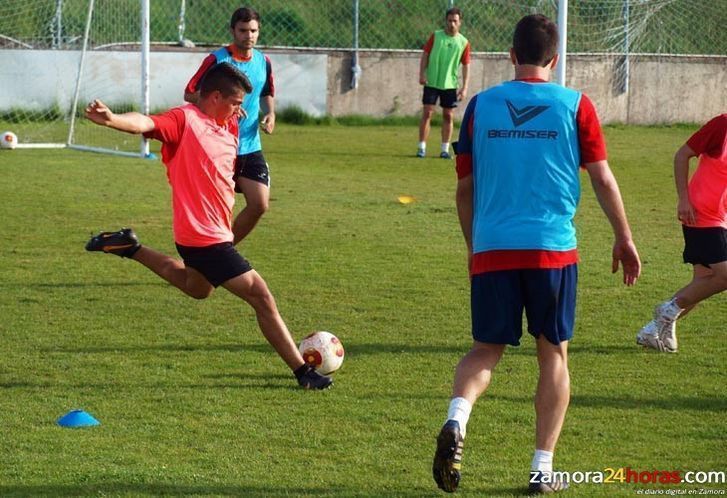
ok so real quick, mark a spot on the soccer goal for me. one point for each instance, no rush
(60, 54)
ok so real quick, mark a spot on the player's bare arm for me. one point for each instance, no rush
(464, 196)
(267, 123)
(130, 122)
(609, 197)
(462, 93)
(423, 63)
(685, 210)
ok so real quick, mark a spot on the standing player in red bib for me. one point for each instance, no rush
(199, 144)
(702, 209)
(252, 173)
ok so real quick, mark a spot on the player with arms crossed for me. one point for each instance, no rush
(199, 144)
(252, 173)
(521, 146)
(442, 55)
(702, 209)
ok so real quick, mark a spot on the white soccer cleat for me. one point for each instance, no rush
(648, 336)
(660, 333)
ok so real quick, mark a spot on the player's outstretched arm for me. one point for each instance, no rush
(609, 197)
(130, 122)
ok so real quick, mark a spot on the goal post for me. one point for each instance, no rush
(62, 54)
(95, 84)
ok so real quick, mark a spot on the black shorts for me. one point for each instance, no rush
(253, 167)
(218, 262)
(447, 98)
(704, 245)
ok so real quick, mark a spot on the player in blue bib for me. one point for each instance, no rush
(252, 173)
(521, 147)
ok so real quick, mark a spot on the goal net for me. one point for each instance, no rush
(60, 54)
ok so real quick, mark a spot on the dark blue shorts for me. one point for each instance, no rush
(548, 297)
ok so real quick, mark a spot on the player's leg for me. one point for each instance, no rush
(496, 322)
(550, 308)
(706, 249)
(429, 99)
(551, 403)
(448, 102)
(126, 244)
(174, 271)
(251, 287)
(698, 272)
(707, 282)
(252, 179)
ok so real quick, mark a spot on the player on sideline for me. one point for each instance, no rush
(520, 149)
(252, 173)
(445, 50)
(702, 210)
(198, 148)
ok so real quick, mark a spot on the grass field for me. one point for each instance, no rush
(192, 401)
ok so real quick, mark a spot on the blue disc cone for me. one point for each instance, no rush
(77, 418)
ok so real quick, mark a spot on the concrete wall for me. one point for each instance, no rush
(663, 89)
(40, 79)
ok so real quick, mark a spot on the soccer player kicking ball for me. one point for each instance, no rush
(702, 209)
(199, 144)
(520, 150)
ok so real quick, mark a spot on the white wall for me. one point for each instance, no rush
(39, 79)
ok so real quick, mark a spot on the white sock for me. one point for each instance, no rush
(670, 310)
(445, 146)
(459, 410)
(423, 145)
(542, 461)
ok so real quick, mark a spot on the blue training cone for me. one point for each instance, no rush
(77, 418)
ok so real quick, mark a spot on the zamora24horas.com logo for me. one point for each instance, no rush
(627, 475)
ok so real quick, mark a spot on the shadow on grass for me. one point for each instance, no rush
(153, 489)
(667, 402)
(351, 349)
(237, 380)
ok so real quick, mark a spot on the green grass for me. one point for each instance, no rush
(192, 401)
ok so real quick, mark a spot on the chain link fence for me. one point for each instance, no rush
(594, 26)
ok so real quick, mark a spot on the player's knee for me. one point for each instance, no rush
(257, 207)
(260, 297)
(721, 279)
(200, 293)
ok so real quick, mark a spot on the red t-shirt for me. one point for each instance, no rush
(199, 154)
(708, 186)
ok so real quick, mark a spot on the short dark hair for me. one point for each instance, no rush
(225, 78)
(244, 14)
(454, 11)
(535, 40)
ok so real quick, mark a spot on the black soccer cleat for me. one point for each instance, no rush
(448, 457)
(310, 379)
(123, 243)
(545, 484)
